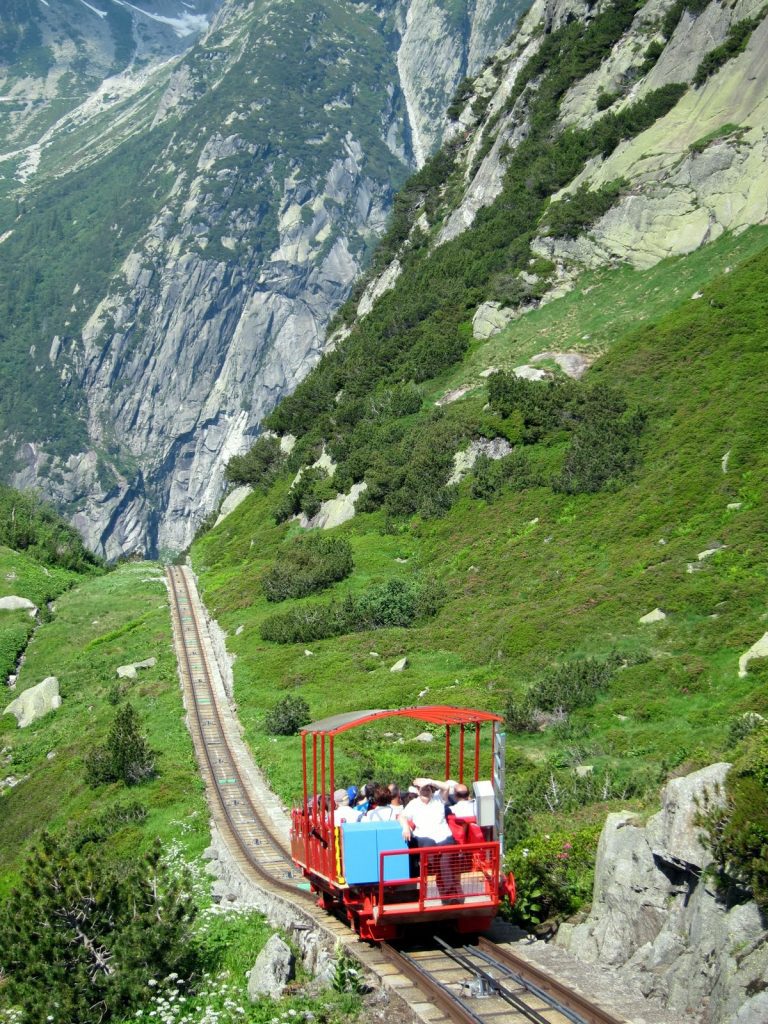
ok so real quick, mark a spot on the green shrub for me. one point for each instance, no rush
(570, 216)
(28, 524)
(491, 477)
(394, 603)
(606, 99)
(651, 56)
(125, 757)
(287, 716)
(307, 565)
(574, 684)
(736, 829)
(99, 931)
(735, 43)
(604, 447)
(260, 464)
(554, 873)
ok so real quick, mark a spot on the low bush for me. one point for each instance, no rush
(28, 524)
(554, 873)
(651, 56)
(260, 464)
(308, 565)
(735, 43)
(99, 931)
(574, 684)
(603, 450)
(568, 217)
(491, 477)
(287, 716)
(394, 603)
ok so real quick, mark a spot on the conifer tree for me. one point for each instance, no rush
(80, 937)
(126, 756)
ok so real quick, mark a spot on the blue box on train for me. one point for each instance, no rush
(363, 841)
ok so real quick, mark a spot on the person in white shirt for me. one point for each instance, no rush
(424, 825)
(464, 806)
(342, 811)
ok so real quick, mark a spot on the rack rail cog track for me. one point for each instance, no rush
(245, 821)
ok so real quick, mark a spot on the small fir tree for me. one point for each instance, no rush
(126, 756)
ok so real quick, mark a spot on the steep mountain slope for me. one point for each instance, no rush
(55, 55)
(548, 461)
(162, 323)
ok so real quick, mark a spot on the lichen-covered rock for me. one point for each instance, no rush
(274, 968)
(489, 319)
(235, 497)
(759, 649)
(655, 916)
(131, 671)
(12, 603)
(36, 702)
(463, 461)
(657, 615)
(335, 511)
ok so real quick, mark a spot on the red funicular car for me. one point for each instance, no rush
(367, 871)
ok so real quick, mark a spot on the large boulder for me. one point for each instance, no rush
(673, 834)
(34, 703)
(12, 603)
(131, 671)
(274, 968)
(490, 318)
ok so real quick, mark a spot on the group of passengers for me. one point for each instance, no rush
(423, 809)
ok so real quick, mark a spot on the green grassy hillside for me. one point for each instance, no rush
(536, 578)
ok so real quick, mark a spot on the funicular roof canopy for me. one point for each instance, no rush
(436, 714)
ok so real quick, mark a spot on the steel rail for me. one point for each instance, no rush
(440, 996)
(545, 985)
(263, 872)
(496, 986)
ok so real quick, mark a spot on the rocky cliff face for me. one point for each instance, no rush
(698, 171)
(657, 916)
(271, 149)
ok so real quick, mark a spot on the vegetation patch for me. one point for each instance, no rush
(735, 43)
(308, 565)
(394, 603)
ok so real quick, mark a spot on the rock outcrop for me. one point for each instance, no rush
(35, 702)
(275, 966)
(656, 916)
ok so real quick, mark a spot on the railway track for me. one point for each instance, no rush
(258, 849)
(488, 984)
(484, 984)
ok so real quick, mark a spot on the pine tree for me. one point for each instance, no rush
(126, 756)
(80, 937)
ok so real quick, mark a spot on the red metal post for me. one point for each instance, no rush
(447, 751)
(314, 778)
(493, 744)
(305, 817)
(331, 791)
(461, 752)
(304, 767)
(477, 751)
(324, 850)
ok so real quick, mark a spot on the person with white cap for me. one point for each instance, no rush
(342, 811)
